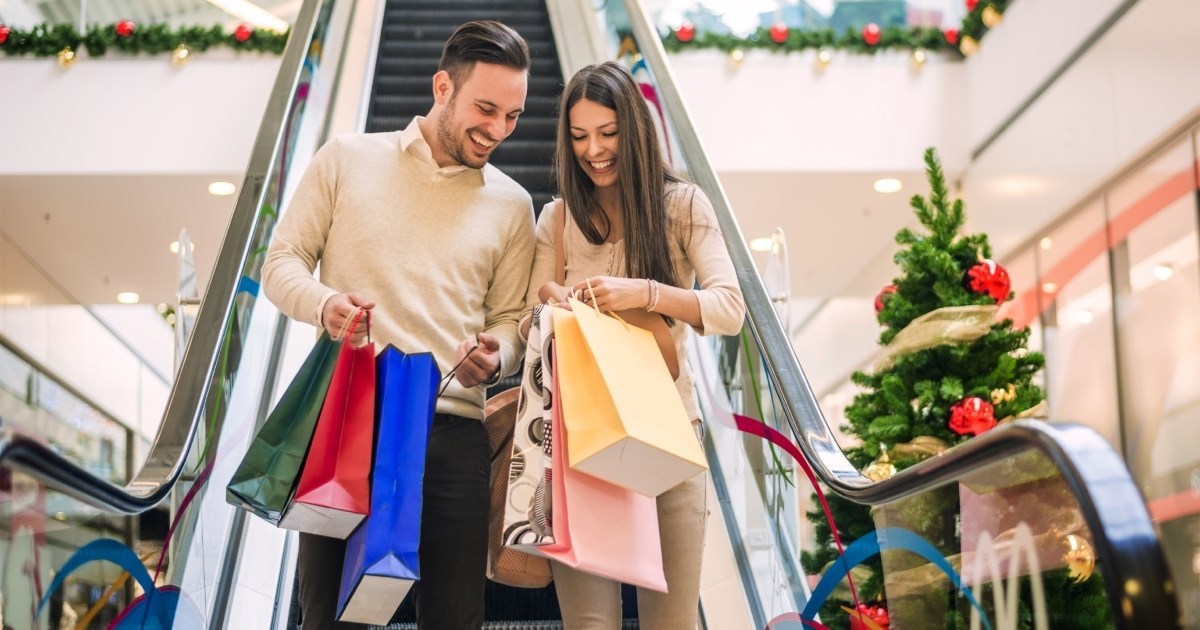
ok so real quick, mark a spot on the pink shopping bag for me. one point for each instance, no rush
(598, 527)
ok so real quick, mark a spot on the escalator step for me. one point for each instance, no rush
(628, 624)
(515, 18)
(397, 31)
(541, 66)
(414, 85)
(539, 49)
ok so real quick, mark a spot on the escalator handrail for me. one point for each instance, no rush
(183, 415)
(1124, 535)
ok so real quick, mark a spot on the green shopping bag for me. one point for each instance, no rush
(266, 478)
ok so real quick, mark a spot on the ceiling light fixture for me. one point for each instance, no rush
(1047, 243)
(761, 244)
(174, 247)
(221, 189)
(1049, 287)
(1164, 271)
(1084, 316)
(128, 297)
(251, 14)
(888, 185)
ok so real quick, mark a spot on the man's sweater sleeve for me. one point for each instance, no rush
(299, 240)
(506, 297)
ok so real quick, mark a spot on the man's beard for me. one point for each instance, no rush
(453, 145)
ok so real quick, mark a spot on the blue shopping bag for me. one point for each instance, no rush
(381, 555)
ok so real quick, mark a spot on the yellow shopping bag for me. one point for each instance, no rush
(624, 419)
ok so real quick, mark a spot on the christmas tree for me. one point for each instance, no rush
(949, 371)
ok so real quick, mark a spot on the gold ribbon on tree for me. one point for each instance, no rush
(952, 324)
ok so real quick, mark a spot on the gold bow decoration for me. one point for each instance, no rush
(952, 324)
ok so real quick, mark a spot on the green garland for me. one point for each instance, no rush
(47, 40)
(929, 38)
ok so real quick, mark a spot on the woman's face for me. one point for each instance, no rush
(593, 129)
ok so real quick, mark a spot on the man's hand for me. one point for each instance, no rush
(339, 308)
(481, 364)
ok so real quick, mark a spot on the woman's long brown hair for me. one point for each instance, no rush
(642, 175)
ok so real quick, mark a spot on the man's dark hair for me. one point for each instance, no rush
(482, 41)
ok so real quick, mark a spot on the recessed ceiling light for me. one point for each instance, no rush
(221, 189)
(174, 246)
(1164, 271)
(128, 297)
(888, 185)
(1047, 243)
(761, 244)
(14, 299)
(1084, 316)
(1049, 287)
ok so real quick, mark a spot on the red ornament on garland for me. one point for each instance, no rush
(877, 614)
(125, 28)
(971, 4)
(952, 36)
(242, 33)
(779, 33)
(871, 34)
(4, 33)
(972, 416)
(883, 293)
(686, 32)
(990, 278)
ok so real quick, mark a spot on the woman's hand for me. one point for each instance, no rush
(614, 294)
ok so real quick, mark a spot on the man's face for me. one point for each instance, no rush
(481, 112)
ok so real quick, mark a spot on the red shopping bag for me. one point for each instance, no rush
(333, 493)
(599, 527)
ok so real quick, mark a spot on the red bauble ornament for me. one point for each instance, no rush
(883, 293)
(952, 36)
(125, 28)
(686, 32)
(971, 4)
(990, 278)
(779, 33)
(242, 33)
(878, 614)
(972, 416)
(871, 34)
(4, 33)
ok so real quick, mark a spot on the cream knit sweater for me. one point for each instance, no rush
(445, 252)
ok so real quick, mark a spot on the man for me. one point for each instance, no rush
(417, 228)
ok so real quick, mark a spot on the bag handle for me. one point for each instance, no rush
(350, 324)
(445, 382)
(597, 308)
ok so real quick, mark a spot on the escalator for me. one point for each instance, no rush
(169, 532)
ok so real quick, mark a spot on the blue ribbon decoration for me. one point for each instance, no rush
(871, 545)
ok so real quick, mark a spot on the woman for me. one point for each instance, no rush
(641, 237)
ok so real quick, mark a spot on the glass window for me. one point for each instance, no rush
(1075, 296)
(1154, 224)
(1155, 236)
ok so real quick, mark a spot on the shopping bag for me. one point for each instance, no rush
(526, 510)
(506, 565)
(264, 481)
(381, 555)
(622, 411)
(333, 493)
(600, 528)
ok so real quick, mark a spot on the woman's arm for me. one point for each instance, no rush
(542, 275)
(716, 308)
